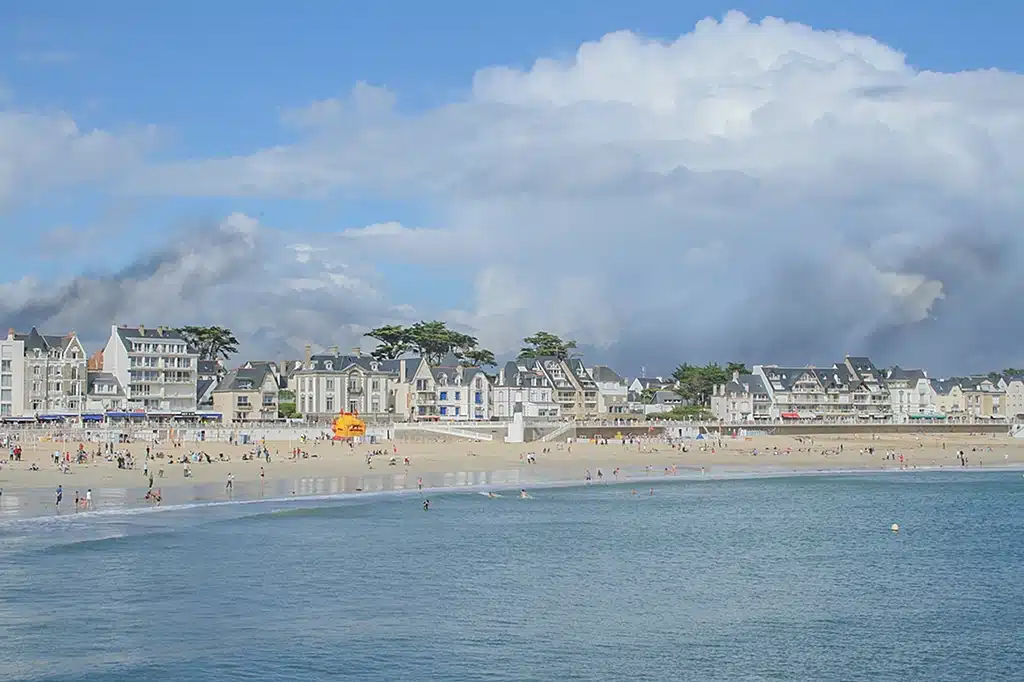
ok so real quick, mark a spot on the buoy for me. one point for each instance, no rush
(895, 528)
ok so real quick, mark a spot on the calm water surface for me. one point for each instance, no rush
(764, 579)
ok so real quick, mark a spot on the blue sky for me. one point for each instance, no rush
(214, 79)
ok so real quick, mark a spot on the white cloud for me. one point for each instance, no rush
(755, 191)
(46, 151)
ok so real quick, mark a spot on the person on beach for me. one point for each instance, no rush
(88, 498)
(60, 495)
(230, 485)
(263, 476)
(419, 484)
(78, 500)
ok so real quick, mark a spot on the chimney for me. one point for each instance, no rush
(10, 334)
(501, 376)
(160, 330)
(309, 353)
(735, 375)
(142, 330)
(333, 350)
(401, 372)
(357, 351)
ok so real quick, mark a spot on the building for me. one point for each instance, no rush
(12, 376)
(249, 393)
(330, 383)
(522, 386)
(848, 391)
(575, 390)
(53, 371)
(648, 385)
(744, 398)
(983, 398)
(1013, 390)
(911, 395)
(949, 398)
(448, 391)
(210, 370)
(155, 366)
(104, 393)
(612, 391)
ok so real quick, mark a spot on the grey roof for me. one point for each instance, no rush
(245, 379)
(144, 332)
(33, 340)
(342, 363)
(468, 374)
(746, 383)
(667, 398)
(944, 386)
(94, 379)
(209, 367)
(203, 387)
(897, 373)
(606, 375)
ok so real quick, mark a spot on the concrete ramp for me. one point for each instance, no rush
(558, 433)
(1017, 430)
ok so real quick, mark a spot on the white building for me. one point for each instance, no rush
(446, 392)
(155, 366)
(612, 391)
(104, 393)
(12, 376)
(524, 387)
(331, 383)
(53, 373)
(1013, 388)
(911, 394)
(744, 398)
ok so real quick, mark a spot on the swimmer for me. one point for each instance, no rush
(426, 505)
(491, 495)
(523, 494)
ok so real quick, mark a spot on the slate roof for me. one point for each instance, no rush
(127, 333)
(606, 375)
(44, 342)
(94, 379)
(654, 382)
(746, 383)
(245, 379)
(342, 363)
(897, 373)
(203, 387)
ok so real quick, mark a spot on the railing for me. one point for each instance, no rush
(557, 433)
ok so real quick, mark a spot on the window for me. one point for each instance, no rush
(268, 400)
(375, 384)
(458, 395)
(444, 411)
(5, 380)
(444, 396)
(458, 410)
(375, 406)
(478, 398)
(5, 410)
(35, 370)
(242, 401)
(5, 366)
(5, 395)
(330, 403)
(329, 366)
(330, 384)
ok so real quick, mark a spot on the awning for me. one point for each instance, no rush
(17, 420)
(790, 415)
(927, 416)
(124, 415)
(50, 418)
(92, 417)
(807, 415)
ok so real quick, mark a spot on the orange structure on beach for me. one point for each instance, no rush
(348, 425)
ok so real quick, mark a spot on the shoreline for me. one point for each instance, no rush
(36, 504)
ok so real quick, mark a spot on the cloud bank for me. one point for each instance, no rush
(763, 192)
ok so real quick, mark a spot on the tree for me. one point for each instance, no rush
(394, 342)
(431, 340)
(1013, 372)
(696, 384)
(546, 344)
(740, 367)
(212, 343)
(479, 357)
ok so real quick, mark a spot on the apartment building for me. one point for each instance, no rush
(744, 398)
(249, 393)
(575, 390)
(612, 391)
(53, 371)
(331, 383)
(448, 391)
(12, 376)
(851, 390)
(911, 395)
(155, 366)
(1013, 390)
(524, 387)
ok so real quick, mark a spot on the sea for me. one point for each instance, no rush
(796, 577)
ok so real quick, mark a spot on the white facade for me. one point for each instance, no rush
(53, 373)
(1013, 399)
(155, 366)
(612, 391)
(330, 384)
(12, 377)
(910, 394)
(523, 387)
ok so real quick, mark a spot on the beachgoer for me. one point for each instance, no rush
(426, 505)
(229, 486)
(88, 498)
(60, 495)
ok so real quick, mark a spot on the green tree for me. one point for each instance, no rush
(1013, 372)
(432, 340)
(394, 342)
(212, 343)
(546, 344)
(479, 357)
(696, 383)
(740, 367)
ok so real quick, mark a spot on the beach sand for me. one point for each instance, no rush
(337, 467)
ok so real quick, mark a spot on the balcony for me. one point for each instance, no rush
(355, 389)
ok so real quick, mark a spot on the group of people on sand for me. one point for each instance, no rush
(82, 502)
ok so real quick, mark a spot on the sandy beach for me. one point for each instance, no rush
(327, 467)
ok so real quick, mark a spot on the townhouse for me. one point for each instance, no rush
(249, 393)
(744, 398)
(42, 374)
(911, 394)
(330, 383)
(612, 391)
(522, 386)
(448, 391)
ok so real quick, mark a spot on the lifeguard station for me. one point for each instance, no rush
(348, 425)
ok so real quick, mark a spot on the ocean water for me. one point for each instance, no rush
(786, 578)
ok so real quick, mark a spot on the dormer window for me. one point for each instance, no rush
(374, 366)
(328, 365)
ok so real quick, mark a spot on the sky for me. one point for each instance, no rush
(663, 181)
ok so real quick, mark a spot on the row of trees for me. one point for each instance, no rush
(434, 340)
(696, 383)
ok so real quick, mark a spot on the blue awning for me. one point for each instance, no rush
(92, 417)
(140, 415)
(50, 418)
